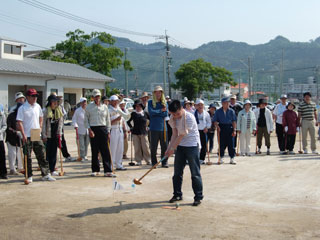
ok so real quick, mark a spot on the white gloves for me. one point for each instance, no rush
(286, 128)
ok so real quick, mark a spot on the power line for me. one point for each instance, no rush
(56, 11)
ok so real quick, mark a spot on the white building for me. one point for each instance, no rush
(17, 74)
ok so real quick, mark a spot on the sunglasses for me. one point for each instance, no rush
(34, 96)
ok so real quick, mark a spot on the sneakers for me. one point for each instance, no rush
(48, 178)
(268, 151)
(54, 173)
(314, 152)
(196, 203)
(110, 174)
(232, 161)
(248, 154)
(148, 163)
(202, 162)
(305, 151)
(165, 165)
(121, 169)
(243, 154)
(259, 151)
(13, 172)
(283, 152)
(30, 180)
(125, 157)
(3, 177)
(175, 199)
(70, 159)
(94, 174)
(139, 163)
(292, 152)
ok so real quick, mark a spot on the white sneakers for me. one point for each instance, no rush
(110, 174)
(30, 180)
(314, 152)
(48, 178)
(70, 159)
(306, 152)
(232, 161)
(94, 174)
(54, 173)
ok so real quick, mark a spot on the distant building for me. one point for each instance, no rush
(18, 73)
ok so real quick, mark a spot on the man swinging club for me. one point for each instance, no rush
(186, 141)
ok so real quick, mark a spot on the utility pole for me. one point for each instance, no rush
(168, 62)
(136, 81)
(164, 74)
(126, 73)
(239, 86)
(281, 73)
(249, 78)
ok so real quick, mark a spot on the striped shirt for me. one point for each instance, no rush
(307, 110)
(248, 120)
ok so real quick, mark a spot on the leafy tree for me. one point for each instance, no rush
(197, 76)
(109, 92)
(87, 50)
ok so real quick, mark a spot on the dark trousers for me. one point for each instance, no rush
(203, 140)
(210, 139)
(157, 136)
(51, 152)
(64, 148)
(3, 167)
(39, 150)
(226, 140)
(100, 144)
(169, 131)
(280, 136)
(291, 139)
(190, 154)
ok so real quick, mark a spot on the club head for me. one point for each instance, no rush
(209, 163)
(61, 173)
(132, 164)
(79, 159)
(300, 152)
(137, 182)
(26, 182)
(237, 154)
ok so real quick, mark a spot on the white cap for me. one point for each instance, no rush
(247, 102)
(96, 92)
(114, 98)
(19, 95)
(82, 99)
(283, 96)
(185, 99)
(199, 101)
(122, 102)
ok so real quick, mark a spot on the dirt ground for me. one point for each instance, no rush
(262, 197)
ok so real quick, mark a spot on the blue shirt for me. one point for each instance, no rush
(157, 116)
(224, 118)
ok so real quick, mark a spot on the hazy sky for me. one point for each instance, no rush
(192, 22)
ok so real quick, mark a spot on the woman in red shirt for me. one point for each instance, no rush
(290, 124)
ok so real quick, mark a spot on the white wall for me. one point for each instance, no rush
(10, 56)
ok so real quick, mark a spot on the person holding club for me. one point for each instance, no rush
(277, 115)
(246, 124)
(117, 132)
(212, 110)
(30, 119)
(83, 133)
(185, 142)
(204, 123)
(264, 125)
(225, 121)
(290, 123)
(157, 109)
(139, 133)
(52, 131)
(97, 120)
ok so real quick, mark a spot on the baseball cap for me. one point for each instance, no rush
(96, 92)
(32, 92)
(114, 98)
(82, 99)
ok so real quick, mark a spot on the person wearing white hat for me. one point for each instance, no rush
(122, 106)
(204, 123)
(158, 112)
(246, 124)
(97, 120)
(277, 116)
(83, 133)
(19, 98)
(118, 119)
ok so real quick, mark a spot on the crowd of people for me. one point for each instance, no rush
(184, 128)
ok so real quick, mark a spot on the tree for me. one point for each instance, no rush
(94, 51)
(109, 92)
(197, 76)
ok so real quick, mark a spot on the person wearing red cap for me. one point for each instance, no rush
(30, 117)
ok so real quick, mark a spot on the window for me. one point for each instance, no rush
(12, 49)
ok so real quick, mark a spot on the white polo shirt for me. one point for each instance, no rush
(78, 121)
(29, 115)
(278, 111)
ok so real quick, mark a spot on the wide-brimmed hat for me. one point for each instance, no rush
(144, 94)
(263, 101)
(96, 92)
(138, 102)
(19, 95)
(158, 88)
(291, 103)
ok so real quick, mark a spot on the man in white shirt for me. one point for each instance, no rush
(204, 123)
(83, 134)
(30, 118)
(186, 142)
(277, 116)
(117, 118)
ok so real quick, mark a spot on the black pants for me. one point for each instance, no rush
(64, 148)
(100, 144)
(280, 136)
(169, 131)
(51, 152)
(203, 140)
(3, 167)
(226, 140)
(157, 136)
(211, 140)
(291, 139)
